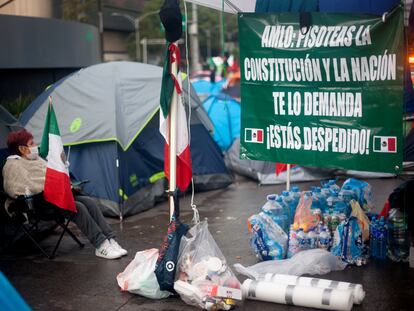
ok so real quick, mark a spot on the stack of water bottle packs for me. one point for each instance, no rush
(328, 217)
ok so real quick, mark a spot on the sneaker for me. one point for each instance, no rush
(105, 250)
(118, 247)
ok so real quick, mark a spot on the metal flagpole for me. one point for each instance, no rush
(173, 139)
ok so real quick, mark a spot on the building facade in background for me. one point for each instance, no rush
(45, 40)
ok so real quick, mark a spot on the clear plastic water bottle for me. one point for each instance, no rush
(331, 201)
(276, 212)
(312, 239)
(325, 193)
(382, 240)
(398, 237)
(347, 194)
(28, 198)
(288, 205)
(324, 239)
(270, 202)
(333, 186)
(295, 193)
(373, 237)
(318, 200)
(302, 240)
(342, 207)
(293, 243)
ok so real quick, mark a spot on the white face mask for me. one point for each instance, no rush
(34, 153)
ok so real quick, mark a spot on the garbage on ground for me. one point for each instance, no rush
(298, 295)
(357, 289)
(310, 220)
(348, 243)
(268, 239)
(203, 277)
(139, 277)
(315, 261)
(362, 192)
(363, 219)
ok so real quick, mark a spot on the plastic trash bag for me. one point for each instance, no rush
(268, 240)
(313, 261)
(204, 278)
(348, 244)
(363, 219)
(139, 277)
(304, 218)
(363, 192)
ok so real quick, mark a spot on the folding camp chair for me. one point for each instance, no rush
(27, 212)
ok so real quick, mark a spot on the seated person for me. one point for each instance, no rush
(24, 169)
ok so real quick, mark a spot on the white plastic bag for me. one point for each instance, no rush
(204, 278)
(313, 261)
(139, 277)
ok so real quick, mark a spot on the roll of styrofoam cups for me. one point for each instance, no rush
(305, 296)
(358, 291)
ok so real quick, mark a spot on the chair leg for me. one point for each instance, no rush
(65, 228)
(27, 232)
(74, 237)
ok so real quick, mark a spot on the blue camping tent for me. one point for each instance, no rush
(205, 88)
(108, 116)
(224, 112)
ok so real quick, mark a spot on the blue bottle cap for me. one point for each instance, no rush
(271, 197)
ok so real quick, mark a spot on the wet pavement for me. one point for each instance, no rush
(77, 280)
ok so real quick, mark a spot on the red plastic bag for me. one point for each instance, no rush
(304, 218)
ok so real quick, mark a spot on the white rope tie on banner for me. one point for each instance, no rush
(196, 215)
(384, 16)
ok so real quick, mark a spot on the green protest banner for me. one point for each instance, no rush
(330, 95)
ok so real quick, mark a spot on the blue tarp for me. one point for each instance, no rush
(10, 299)
(224, 112)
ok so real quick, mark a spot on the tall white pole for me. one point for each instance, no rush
(173, 139)
(195, 52)
(288, 177)
(137, 40)
(144, 51)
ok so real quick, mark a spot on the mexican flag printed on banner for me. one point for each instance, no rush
(57, 188)
(170, 83)
(385, 144)
(253, 135)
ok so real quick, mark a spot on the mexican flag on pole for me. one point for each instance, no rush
(170, 83)
(57, 188)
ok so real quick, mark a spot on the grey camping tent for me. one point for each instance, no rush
(108, 115)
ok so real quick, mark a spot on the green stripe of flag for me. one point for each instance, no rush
(167, 86)
(377, 143)
(51, 127)
(248, 135)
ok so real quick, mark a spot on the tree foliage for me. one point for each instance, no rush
(78, 10)
(209, 21)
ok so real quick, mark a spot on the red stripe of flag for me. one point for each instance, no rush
(391, 144)
(260, 136)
